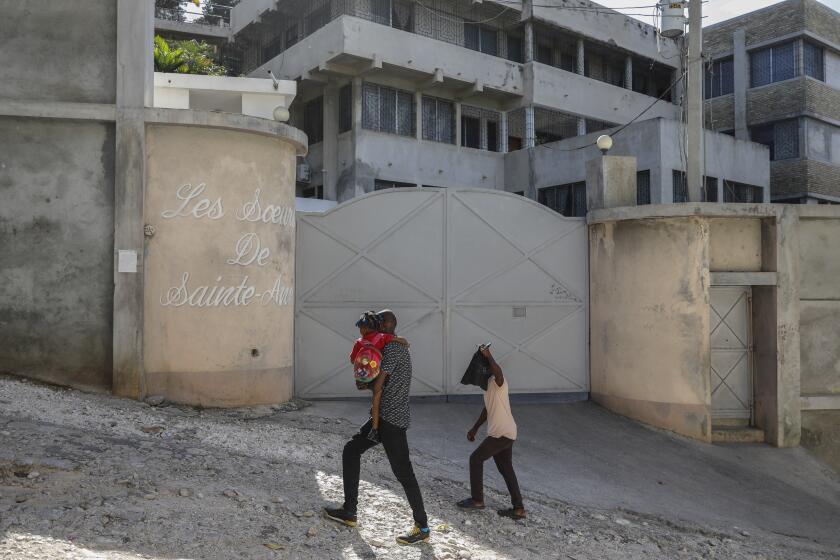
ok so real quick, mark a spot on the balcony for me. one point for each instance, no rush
(548, 86)
(350, 46)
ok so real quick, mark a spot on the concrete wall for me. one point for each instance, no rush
(552, 87)
(50, 54)
(655, 143)
(397, 158)
(819, 257)
(223, 218)
(56, 247)
(649, 318)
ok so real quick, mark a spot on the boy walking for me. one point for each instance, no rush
(501, 434)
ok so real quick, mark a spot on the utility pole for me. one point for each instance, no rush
(694, 103)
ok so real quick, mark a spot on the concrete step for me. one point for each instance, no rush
(737, 434)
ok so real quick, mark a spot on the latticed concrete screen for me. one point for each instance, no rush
(499, 34)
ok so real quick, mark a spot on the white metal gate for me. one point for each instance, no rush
(459, 268)
(731, 345)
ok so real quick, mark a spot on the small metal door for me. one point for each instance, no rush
(731, 347)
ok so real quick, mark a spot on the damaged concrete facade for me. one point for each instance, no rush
(773, 77)
(463, 94)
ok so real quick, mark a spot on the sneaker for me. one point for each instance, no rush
(416, 535)
(341, 516)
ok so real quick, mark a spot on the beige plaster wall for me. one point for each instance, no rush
(735, 245)
(219, 321)
(819, 247)
(649, 322)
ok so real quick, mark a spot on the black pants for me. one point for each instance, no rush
(396, 448)
(501, 449)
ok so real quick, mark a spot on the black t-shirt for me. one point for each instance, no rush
(396, 362)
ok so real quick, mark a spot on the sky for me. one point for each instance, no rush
(713, 10)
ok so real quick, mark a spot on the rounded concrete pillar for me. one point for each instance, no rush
(219, 259)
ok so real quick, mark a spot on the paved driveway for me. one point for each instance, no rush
(582, 453)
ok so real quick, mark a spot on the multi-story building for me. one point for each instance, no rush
(467, 94)
(773, 76)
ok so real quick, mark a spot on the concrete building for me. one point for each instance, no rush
(773, 77)
(460, 94)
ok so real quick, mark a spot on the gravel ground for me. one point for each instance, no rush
(92, 476)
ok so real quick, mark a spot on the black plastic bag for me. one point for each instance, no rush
(478, 372)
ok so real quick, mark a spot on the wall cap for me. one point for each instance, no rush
(230, 121)
(685, 210)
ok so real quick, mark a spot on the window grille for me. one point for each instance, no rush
(380, 11)
(593, 125)
(710, 189)
(345, 108)
(438, 120)
(642, 187)
(480, 128)
(814, 61)
(402, 15)
(553, 126)
(740, 192)
(313, 120)
(680, 186)
(514, 48)
(569, 200)
(782, 138)
(556, 48)
(386, 109)
(605, 66)
(720, 78)
(317, 19)
(773, 64)
(470, 132)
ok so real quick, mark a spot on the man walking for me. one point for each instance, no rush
(394, 383)
(501, 434)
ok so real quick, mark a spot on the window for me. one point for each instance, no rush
(773, 64)
(514, 48)
(782, 138)
(380, 11)
(740, 192)
(569, 200)
(402, 16)
(544, 54)
(345, 108)
(292, 36)
(720, 78)
(438, 120)
(478, 38)
(710, 189)
(553, 126)
(814, 61)
(642, 187)
(680, 186)
(471, 132)
(596, 126)
(317, 19)
(386, 109)
(604, 66)
(313, 120)
(479, 128)
(493, 136)
(381, 185)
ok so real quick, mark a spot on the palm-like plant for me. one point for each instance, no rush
(168, 59)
